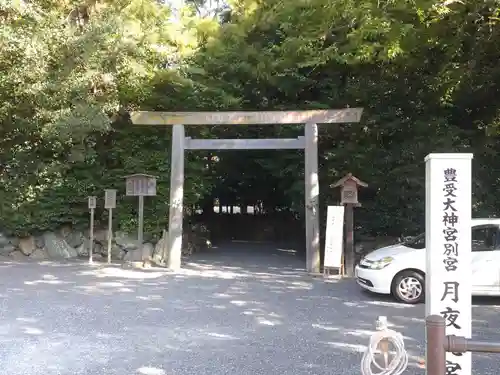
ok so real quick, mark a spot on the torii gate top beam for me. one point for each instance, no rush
(316, 116)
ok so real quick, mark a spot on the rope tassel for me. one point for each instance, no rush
(380, 343)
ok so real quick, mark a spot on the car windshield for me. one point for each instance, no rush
(417, 242)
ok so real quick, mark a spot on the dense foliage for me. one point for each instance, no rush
(426, 73)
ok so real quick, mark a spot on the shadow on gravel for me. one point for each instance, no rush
(235, 309)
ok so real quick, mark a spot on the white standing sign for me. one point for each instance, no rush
(92, 202)
(109, 199)
(334, 237)
(448, 248)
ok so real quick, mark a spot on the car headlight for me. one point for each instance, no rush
(377, 264)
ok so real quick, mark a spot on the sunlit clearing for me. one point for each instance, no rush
(349, 347)
(110, 284)
(226, 275)
(27, 320)
(50, 282)
(221, 295)
(389, 304)
(150, 297)
(151, 371)
(126, 274)
(291, 251)
(326, 328)
(267, 322)
(221, 336)
(32, 331)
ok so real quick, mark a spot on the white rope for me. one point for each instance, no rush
(380, 343)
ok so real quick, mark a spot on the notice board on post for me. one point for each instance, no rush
(334, 237)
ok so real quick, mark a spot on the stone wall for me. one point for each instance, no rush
(72, 243)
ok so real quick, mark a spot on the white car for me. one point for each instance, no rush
(400, 269)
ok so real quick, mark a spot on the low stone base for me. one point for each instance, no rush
(70, 243)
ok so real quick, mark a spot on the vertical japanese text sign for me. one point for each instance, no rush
(334, 239)
(448, 248)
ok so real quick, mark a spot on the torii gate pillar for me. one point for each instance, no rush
(176, 210)
(312, 198)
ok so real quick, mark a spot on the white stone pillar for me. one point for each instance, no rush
(312, 199)
(448, 247)
(176, 198)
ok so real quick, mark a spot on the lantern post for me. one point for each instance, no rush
(349, 198)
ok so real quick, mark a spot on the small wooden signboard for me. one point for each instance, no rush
(141, 185)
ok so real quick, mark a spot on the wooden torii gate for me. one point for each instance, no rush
(309, 143)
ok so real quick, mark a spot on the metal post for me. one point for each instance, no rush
(478, 346)
(460, 344)
(141, 227)
(435, 331)
(91, 235)
(110, 232)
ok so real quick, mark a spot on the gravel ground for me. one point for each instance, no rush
(228, 312)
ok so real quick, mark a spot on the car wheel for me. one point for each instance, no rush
(409, 287)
